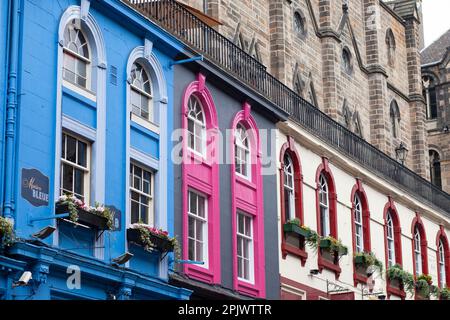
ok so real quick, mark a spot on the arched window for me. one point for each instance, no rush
(324, 206)
(435, 168)
(289, 188)
(347, 60)
(242, 152)
(420, 247)
(299, 24)
(141, 92)
(429, 93)
(417, 252)
(394, 113)
(196, 126)
(390, 45)
(443, 258)
(358, 216)
(442, 275)
(390, 237)
(76, 60)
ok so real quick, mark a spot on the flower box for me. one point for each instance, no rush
(85, 218)
(295, 229)
(159, 243)
(326, 244)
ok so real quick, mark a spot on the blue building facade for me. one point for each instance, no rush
(89, 112)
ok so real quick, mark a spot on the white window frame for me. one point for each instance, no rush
(324, 207)
(244, 149)
(359, 225)
(390, 240)
(86, 170)
(87, 61)
(289, 186)
(418, 251)
(204, 223)
(148, 95)
(151, 206)
(249, 239)
(442, 271)
(197, 125)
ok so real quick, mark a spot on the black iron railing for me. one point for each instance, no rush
(176, 19)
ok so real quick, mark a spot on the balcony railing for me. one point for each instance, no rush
(176, 19)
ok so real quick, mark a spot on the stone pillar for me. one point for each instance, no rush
(278, 34)
(418, 154)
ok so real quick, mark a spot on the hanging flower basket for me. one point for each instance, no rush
(151, 238)
(97, 217)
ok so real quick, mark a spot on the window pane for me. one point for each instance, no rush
(199, 231)
(191, 227)
(79, 182)
(240, 268)
(134, 212)
(192, 250)
(193, 203)
(67, 178)
(199, 251)
(201, 207)
(71, 149)
(82, 154)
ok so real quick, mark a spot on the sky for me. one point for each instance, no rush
(436, 16)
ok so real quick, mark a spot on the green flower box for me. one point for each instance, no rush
(327, 244)
(293, 228)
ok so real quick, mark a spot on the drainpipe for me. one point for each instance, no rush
(10, 128)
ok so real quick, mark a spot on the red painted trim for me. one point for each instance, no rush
(289, 148)
(417, 221)
(441, 235)
(332, 199)
(390, 207)
(202, 175)
(247, 196)
(358, 189)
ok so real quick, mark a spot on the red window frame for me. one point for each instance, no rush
(417, 222)
(358, 189)
(442, 236)
(324, 168)
(289, 149)
(390, 208)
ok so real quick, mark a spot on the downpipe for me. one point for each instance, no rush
(11, 109)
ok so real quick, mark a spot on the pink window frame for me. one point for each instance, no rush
(202, 175)
(253, 205)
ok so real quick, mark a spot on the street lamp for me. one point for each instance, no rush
(401, 152)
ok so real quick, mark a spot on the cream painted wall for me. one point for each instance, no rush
(310, 150)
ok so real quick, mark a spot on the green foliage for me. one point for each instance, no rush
(147, 234)
(444, 294)
(74, 204)
(7, 237)
(369, 259)
(336, 245)
(396, 272)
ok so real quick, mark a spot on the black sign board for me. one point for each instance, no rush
(35, 187)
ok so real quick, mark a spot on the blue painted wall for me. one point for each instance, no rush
(122, 30)
(3, 82)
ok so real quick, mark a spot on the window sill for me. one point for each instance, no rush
(291, 250)
(390, 290)
(326, 264)
(248, 289)
(245, 182)
(80, 90)
(200, 274)
(145, 123)
(196, 158)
